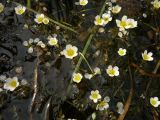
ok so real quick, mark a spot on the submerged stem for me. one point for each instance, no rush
(94, 29)
(29, 3)
(50, 19)
(86, 62)
(35, 88)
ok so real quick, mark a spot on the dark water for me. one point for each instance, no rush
(54, 71)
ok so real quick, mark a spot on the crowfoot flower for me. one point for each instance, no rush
(70, 51)
(116, 9)
(147, 56)
(39, 18)
(154, 101)
(45, 20)
(106, 18)
(95, 96)
(132, 23)
(98, 20)
(11, 84)
(52, 41)
(120, 107)
(77, 77)
(112, 71)
(123, 23)
(122, 52)
(83, 2)
(102, 105)
(20, 9)
(156, 4)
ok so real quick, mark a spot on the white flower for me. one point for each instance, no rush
(25, 43)
(97, 70)
(102, 105)
(122, 32)
(106, 17)
(52, 41)
(11, 84)
(20, 9)
(1, 7)
(122, 52)
(154, 101)
(83, 2)
(144, 15)
(39, 43)
(112, 71)
(30, 41)
(70, 51)
(116, 9)
(30, 50)
(132, 23)
(45, 21)
(120, 110)
(43, 45)
(120, 107)
(156, 4)
(88, 76)
(123, 23)
(98, 20)
(95, 96)
(36, 40)
(126, 23)
(147, 56)
(107, 98)
(77, 77)
(93, 116)
(101, 30)
(39, 18)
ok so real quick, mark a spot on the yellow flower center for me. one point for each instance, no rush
(52, 42)
(70, 52)
(123, 24)
(20, 11)
(13, 83)
(83, 2)
(153, 102)
(40, 19)
(99, 20)
(77, 77)
(111, 72)
(94, 95)
(145, 57)
(121, 52)
(102, 104)
(106, 19)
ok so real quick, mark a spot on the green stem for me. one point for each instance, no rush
(29, 3)
(94, 29)
(86, 62)
(50, 19)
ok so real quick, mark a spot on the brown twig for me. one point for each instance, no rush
(154, 72)
(128, 102)
(143, 72)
